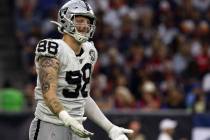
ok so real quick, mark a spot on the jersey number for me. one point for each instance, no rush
(49, 46)
(75, 78)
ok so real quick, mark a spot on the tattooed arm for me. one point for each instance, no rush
(48, 76)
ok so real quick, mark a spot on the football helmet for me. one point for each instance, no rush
(67, 14)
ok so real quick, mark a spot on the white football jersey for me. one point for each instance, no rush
(73, 78)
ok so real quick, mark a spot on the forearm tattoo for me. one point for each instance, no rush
(48, 76)
(55, 106)
(48, 73)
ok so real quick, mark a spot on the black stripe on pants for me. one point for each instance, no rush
(37, 129)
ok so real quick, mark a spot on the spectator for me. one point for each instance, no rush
(123, 98)
(195, 99)
(150, 100)
(167, 129)
(135, 125)
(175, 99)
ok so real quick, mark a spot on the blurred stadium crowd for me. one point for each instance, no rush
(153, 54)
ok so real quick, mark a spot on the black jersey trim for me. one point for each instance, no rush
(80, 53)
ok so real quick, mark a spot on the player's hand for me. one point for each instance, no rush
(118, 133)
(77, 127)
(74, 125)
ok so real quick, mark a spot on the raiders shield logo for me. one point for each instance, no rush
(92, 55)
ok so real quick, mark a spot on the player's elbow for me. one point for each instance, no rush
(48, 97)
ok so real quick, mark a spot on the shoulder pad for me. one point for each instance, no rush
(92, 51)
(89, 44)
(47, 47)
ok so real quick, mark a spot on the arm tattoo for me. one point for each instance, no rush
(48, 73)
(48, 76)
(55, 106)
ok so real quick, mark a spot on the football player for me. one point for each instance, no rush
(64, 67)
